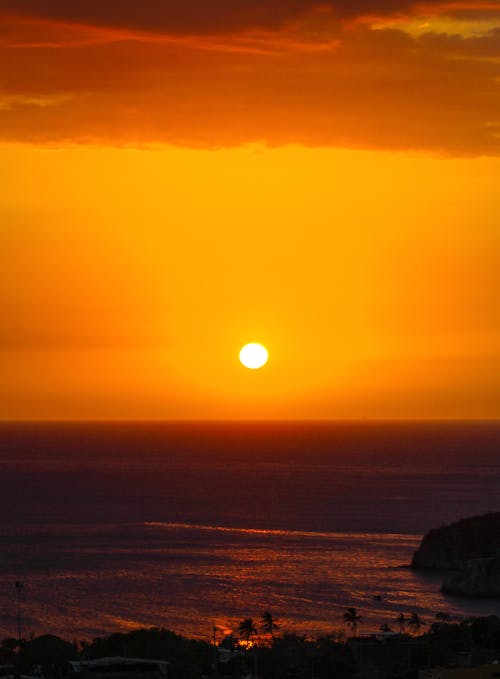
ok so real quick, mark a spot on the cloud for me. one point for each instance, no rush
(313, 80)
(217, 16)
(10, 102)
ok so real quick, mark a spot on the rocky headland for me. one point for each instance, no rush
(479, 577)
(469, 550)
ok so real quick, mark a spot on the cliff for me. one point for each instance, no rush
(451, 547)
(479, 577)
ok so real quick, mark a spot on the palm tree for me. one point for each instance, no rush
(247, 629)
(19, 590)
(401, 620)
(352, 620)
(415, 623)
(268, 624)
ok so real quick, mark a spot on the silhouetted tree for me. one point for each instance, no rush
(484, 631)
(188, 658)
(336, 636)
(330, 659)
(268, 624)
(247, 629)
(352, 620)
(10, 643)
(401, 620)
(47, 650)
(229, 642)
(7, 650)
(385, 628)
(415, 623)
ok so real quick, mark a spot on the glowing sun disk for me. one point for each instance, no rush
(253, 355)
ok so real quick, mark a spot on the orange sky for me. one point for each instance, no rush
(178, 181)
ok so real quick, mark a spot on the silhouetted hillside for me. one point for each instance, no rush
(450, 547)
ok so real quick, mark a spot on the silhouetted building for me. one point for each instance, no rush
(117, 667)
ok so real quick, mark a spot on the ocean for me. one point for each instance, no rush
(185, 525)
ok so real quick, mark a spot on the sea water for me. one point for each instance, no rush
(185, 525)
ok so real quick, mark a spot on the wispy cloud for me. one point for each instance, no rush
(364, 74)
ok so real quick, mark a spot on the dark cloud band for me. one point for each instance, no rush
(317, 82)
(195, 16)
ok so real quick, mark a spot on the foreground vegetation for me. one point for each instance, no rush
(259, 648)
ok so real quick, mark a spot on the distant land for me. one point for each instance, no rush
(469, 551)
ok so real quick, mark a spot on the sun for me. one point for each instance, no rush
(254, 355)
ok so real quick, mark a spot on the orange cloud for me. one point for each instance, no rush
(312, 79)
(197, 16)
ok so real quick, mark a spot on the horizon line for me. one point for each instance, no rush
(346, 420)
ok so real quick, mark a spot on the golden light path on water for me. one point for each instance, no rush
(267, 531)
(188, 577)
